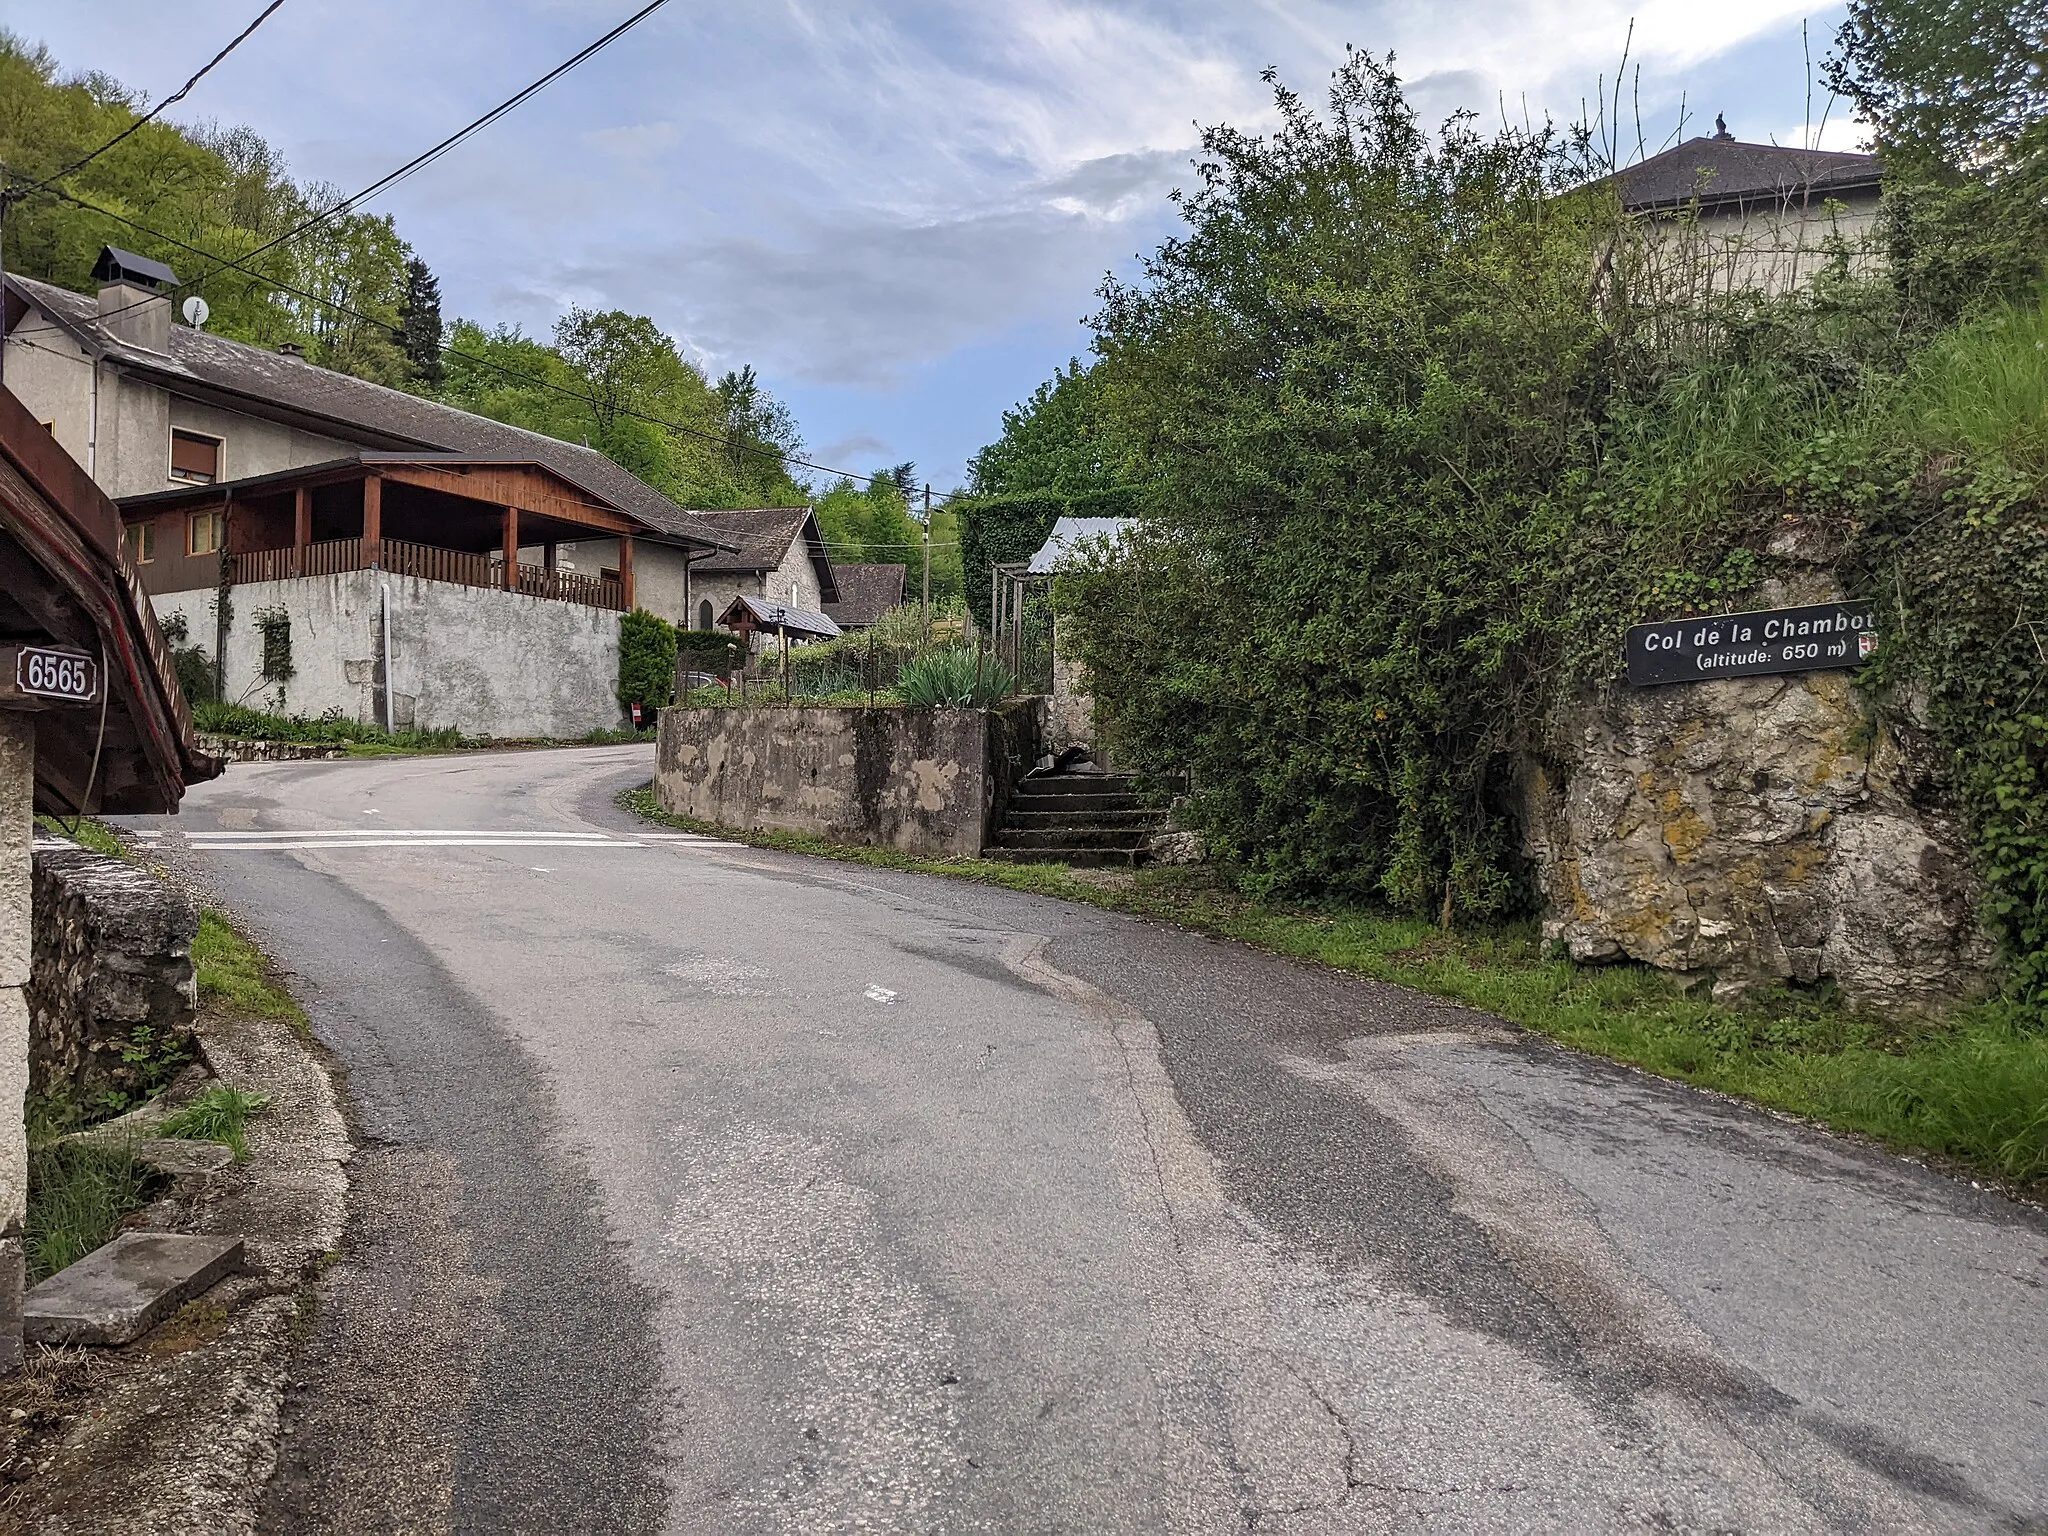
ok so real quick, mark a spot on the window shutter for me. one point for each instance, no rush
(195, 458)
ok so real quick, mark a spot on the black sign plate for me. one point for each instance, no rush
(48, 673)
(1752, 644)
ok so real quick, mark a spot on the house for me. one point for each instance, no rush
(1756, 216)
(866, 592)
(776, 554)
(91, 719)
(335, 545)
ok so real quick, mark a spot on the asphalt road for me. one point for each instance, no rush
(711, 1190)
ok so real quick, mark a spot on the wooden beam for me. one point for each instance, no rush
(511, 516)
(524, 486)
(373, 520)
(626, 570)
(302, 527)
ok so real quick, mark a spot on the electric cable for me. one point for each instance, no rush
(175, 97)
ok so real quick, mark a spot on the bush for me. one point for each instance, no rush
(647, 660)
(333, 728)
(957, 678)
(999, 530)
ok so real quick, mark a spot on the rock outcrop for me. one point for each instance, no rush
(1759, 830)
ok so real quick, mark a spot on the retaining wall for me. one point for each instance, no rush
(923, 781)
(112, 955)
(478, 660)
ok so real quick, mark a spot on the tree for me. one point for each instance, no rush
(1950, 85)
(420, 318)
(1059, 442)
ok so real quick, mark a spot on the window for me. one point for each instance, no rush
(195, 459)
(141, 540)
(704, 617)
(204, 532)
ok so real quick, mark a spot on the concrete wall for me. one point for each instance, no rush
(1767, 249)
(923, 781)
(482, 661)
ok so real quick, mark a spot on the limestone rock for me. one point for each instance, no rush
(1746, 830)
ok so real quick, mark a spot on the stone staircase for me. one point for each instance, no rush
(1083, 819)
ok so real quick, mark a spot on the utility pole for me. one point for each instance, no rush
(926, 609)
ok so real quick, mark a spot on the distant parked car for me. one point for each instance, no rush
(701, 680)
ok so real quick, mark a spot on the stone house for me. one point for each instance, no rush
(775, 554)
(1761, 217)
(335, 545)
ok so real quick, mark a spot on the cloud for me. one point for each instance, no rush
(859, 446)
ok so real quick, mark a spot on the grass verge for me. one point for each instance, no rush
(78, 1197)
(219, 1114)
(1972, 1087)
(234, 976)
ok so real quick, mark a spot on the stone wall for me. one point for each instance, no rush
(924, 781)
(113, 955)
(1758, 830)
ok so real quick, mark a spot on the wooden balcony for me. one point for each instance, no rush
(429, 563)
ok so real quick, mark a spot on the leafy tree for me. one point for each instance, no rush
(1950, 85)
(420, 318)
(1057, 442)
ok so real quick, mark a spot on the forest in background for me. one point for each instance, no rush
(358, 298)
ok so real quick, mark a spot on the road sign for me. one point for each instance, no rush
(1752, 644)
(50, 672)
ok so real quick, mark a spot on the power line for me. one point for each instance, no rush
(171, 100)
(427, 157)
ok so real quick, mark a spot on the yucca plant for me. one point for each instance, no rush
(956, 679)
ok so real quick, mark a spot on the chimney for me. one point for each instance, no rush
(135, 300)
(290, 349)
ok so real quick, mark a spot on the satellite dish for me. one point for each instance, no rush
(196, 312)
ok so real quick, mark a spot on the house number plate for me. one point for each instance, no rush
(52, 674)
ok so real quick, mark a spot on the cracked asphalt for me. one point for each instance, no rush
(712, 1190)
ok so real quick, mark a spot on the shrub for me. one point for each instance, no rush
(647, 659)
(954, 679)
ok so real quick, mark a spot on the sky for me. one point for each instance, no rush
(897, 213)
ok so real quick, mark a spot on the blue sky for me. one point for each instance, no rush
(898, 213)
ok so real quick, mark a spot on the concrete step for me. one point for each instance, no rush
(1034, 819)
(1058, 784)
(116, 1294)
(1073, 837)
(1077, 858)
(1019, 801)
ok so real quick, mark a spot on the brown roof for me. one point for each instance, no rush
(866, 592)
(763, 536)
(65, 579)
(1719, 171)
(257, 381)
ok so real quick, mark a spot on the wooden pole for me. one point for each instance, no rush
(511, 549)
(373, 521)
(302, 527)
(925, 614)
(626, 571)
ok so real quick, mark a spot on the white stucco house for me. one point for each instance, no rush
(339, 546)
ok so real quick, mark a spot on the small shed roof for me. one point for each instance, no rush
(759, 613)
(1069, 534)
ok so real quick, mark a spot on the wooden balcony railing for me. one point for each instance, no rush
(428, 562)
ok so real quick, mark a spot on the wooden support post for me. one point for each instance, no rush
(511, 549)
(373, 521)
(302, 527)
(626, 571)
(547, 557)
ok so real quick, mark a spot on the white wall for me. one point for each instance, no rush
(485, 662)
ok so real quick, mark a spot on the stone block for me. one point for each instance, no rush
(116, 1294)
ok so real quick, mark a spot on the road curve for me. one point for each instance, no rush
(711, 1190)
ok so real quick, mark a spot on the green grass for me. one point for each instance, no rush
(77, 1198)
(87, 834)
(233, 975)
(1972, 1088)
(219, 1114)
(233, 720)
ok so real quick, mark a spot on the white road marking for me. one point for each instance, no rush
(336, 843)
(347, 833)
(875, 994)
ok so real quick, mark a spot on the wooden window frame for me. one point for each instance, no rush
(215, 522)
(142, 542)
(220, 453)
